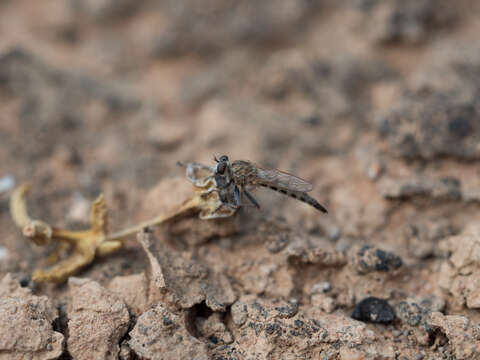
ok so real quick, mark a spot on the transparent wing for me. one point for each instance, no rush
(283, 180)
(197, 173)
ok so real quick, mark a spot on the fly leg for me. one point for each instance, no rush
(208, 192)
(236, 196)
(226, 199)
(251, 198)
(222, 183)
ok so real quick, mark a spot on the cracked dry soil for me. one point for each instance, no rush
(374, 102)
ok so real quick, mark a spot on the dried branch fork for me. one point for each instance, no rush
(97, 241)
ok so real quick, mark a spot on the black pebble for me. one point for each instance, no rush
(373, 310)
(460, 126)
(387, 261)
(25, 281)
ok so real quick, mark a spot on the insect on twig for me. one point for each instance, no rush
(233, 180)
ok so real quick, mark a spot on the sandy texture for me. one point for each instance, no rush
(182, 281)
(462, 334)
(133, 290)
(461, 273)
(97, 320)
(266, 329)
(375, 102)
(160, 334)
(26, 320)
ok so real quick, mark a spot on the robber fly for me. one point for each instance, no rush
(236, 177)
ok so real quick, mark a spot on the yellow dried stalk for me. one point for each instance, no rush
(96, 241)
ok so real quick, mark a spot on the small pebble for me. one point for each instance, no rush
(3, 253)
(321, 287)
(79, 209)
(25, 280)
(375, 170)
(373, 310)
(334, 234)
(7, 183)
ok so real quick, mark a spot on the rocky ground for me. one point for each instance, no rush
(375, 102)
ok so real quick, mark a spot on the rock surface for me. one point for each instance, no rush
(279, 329)
(133, 290)
(160, 334)
(463, 335)
(461, 274)
(97, 320)
(437, 118)
(26, 320)
(373, 102)
(185, 282)
(408, 21)
(368, 259)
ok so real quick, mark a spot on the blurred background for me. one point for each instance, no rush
(374, 102)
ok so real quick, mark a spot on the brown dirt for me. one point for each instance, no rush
(375, 102)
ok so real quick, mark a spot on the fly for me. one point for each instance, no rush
(233, 179)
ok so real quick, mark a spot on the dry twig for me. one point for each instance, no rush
(97, 241)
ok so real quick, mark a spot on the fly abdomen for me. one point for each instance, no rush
(299, 196)
(312, 202)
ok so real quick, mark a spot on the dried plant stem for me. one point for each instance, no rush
(38, 231)
(191, 204)
(85, 245)
(18, 206)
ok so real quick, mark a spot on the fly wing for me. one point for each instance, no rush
(282, 180)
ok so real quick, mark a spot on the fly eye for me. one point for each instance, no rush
(223, 158)
(221, 167)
